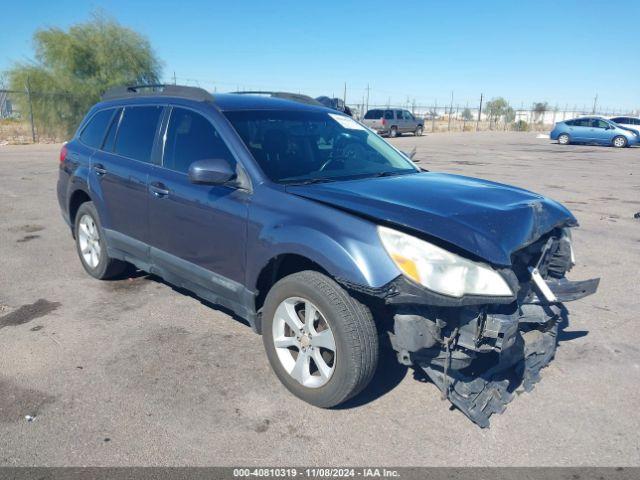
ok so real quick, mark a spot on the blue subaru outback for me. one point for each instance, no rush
(325, 238)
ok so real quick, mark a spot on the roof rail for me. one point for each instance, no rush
(295, 97)
(153, 90)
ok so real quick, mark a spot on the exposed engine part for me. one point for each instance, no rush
(480, 355)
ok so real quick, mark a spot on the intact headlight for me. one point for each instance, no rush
(440, 270)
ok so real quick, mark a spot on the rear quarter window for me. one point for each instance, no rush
(373, 115)
(93, 134)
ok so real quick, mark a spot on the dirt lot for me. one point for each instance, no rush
(135, 373)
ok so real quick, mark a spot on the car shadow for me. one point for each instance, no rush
(389, 372)
(141, 275)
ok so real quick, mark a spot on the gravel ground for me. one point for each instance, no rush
(134, 372)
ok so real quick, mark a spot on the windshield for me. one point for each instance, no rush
(302, 146)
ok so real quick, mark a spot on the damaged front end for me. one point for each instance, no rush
(478, 351)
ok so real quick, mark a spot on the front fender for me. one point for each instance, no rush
(344, 245)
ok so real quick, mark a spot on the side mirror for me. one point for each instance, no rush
(216, 171)
(411, 154)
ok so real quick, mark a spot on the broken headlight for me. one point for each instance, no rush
(440, 270)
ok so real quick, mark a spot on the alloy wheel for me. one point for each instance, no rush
(89, 239)
(304, 342)
(619, 142)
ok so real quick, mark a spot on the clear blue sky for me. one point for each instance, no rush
(562, 52)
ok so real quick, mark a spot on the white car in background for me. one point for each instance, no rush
(627, 122)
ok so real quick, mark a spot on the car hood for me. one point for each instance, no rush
(487, 219)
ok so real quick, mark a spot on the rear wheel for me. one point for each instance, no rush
(393, 133)
(321, 343)
(418, 131)
(564, 139)
(619, 141)
(91, 245)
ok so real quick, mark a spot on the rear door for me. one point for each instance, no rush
(197, 231)
(121, 172)
(580, 129)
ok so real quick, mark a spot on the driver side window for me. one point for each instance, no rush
(191, 137)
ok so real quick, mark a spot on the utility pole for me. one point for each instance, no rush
(450, 112)
(33, 128)
(368, 88)
(464, 117)
(433, 116)
(595, 102)
(344, 97)
(174, 78)
(479, 113)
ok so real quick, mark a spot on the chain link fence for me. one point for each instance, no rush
(30, 116)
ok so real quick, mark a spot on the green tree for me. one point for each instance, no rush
(73, 68)
(495, 109)
(467, 115)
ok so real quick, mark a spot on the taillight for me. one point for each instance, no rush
(382, 121)
(63, 153)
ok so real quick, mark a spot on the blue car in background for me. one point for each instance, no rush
(594, 130)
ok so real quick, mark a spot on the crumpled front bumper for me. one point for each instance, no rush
(480, 355)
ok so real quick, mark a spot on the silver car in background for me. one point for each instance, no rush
(393, 122)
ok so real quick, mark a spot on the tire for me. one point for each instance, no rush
(351, 325)
(619, 141)
(100, 266)
(393, 132)
(564, 139)
(418, 131)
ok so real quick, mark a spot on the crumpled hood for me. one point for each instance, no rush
(487, 219)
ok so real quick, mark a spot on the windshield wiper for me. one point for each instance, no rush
(391, 174)
(309, 181)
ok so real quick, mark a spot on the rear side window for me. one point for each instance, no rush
(373, 115)
(137, 132)
(388, 114)
(93, 134)
(399, 114)
(570, 122)
(191, 137)
(582, 122)
(619, 120)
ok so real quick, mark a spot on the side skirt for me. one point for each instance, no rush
(204, 283)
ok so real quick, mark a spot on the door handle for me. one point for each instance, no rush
(158, 189)
(99, 169)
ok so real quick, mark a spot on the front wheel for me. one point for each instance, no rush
(619, 142)
(564, 139)
(321, 343)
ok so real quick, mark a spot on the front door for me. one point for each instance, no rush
(197, 232)
(602, 131)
